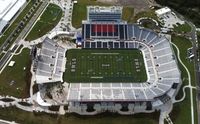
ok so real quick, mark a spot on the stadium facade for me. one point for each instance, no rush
(8, 9)
(164, 78)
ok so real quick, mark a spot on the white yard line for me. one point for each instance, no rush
(96, 77)
(105, 53)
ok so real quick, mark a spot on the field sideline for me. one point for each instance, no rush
(105, 66)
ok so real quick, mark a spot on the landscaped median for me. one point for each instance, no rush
(48, 20)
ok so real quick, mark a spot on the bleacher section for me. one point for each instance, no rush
(50, 62)
(104, 30)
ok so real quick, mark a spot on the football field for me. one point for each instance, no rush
(92, 65)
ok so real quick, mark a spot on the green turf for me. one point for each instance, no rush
(48, 20)
(13, 80)
(105, 66)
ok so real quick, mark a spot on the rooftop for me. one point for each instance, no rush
(163, 10)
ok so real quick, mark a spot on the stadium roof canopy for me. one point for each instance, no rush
(8, 9)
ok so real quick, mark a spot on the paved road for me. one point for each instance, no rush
(8, 54)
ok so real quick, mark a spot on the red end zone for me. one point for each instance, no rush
(102, 28)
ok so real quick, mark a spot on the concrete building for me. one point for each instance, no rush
(163, 11)
(99, 13)
(168, 18)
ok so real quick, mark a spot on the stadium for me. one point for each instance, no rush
(118, 67)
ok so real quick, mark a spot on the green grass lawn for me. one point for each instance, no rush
(181, 113)
(105, 66)
(183, 45)
(22, 117)
(150, 14)
(48, 20)
(128, 14)
(148, 23)
(16, 22)
(182, 28)
(13, 80)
